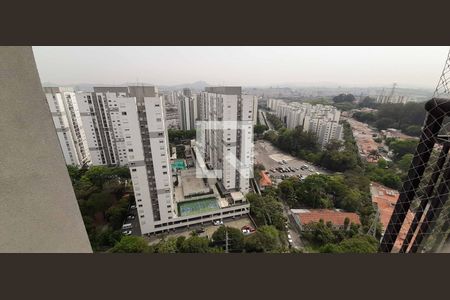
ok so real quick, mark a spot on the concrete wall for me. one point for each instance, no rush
(38, 209)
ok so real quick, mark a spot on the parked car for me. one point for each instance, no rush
(133, 206)
(217, 222)
(127, 226)
(131, 217)
(245, 231)
(249, 228)
(126, 232)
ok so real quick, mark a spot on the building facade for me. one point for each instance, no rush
(147, 149)
(68, 124)
(322, 120)
(226, 139)
(187, 110)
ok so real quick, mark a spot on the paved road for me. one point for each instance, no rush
(296, 241)
(136, 230)
(263, 119)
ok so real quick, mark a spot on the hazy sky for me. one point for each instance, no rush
(246, 66)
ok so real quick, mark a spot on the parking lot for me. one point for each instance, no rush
(208, 228)
(136, 229)
(273, 158)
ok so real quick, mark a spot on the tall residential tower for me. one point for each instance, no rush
(226, 136)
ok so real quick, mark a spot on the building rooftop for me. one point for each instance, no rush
(191, 185)
(385, 199)
(237, 196)
(336, 217)
(265, 179)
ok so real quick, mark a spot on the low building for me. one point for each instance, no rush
(337, 217)
(384, 200)
(265, 180)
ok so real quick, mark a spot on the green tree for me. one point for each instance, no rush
(266, 210)
(356, 244)
(195, 244)
(344, 98)
(131, 244)
(235, 238)
(318, 233)
(167, 246)
(259, 129)
(265, 239)
(402, 147)
(271, 136)
(405, 162)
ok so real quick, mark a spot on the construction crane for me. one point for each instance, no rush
(442, 89)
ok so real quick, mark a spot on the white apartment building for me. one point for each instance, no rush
(226, 139)
(392, 99)
(255, 111)
(68, 123)
(145, 132)
(106, 109)
(92, 128)
(323, 120)
(187, 110)
(147, 149)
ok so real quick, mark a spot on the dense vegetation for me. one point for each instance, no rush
(407, 117)
(176, 135)
(259, 129)
(337, 156)
(104, 195)
(267, 209)
(265, 239)
(275, 121)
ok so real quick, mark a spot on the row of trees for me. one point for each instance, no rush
(265, 239)
(275, 121)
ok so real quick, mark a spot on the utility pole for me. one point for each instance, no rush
(226, 240)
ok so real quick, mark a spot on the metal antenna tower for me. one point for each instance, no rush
(442, 89)
(394, 86)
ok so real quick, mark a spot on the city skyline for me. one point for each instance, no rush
(410, 67)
